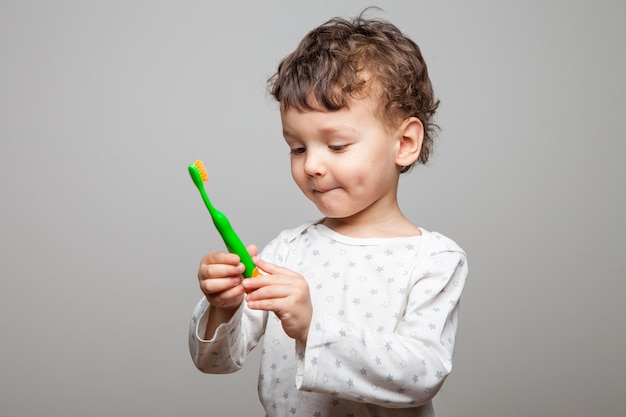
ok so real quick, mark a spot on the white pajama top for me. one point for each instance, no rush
(381, 338)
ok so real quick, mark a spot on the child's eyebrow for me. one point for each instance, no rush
(326, 130)
(338, 129)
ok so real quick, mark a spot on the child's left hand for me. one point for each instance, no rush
(284, 292)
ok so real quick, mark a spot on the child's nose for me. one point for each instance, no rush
(314, 164)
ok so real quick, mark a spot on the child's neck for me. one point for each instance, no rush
(389, 226)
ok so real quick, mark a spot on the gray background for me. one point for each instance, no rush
(103, 105)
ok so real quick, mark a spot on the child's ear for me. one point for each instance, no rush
(411, 134)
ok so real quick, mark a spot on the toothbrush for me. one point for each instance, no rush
(233, 243)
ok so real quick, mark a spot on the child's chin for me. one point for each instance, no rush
(334, 214)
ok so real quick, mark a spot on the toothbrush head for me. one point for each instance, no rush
(198, 173)
(200, 166)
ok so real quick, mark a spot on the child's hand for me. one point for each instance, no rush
(220, 275)
(284, 292)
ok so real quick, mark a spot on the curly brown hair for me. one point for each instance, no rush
(345, 59)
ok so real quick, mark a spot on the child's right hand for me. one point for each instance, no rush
(220, 275)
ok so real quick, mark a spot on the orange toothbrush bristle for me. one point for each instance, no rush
(201, 170)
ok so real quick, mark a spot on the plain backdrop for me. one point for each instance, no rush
(103, 104)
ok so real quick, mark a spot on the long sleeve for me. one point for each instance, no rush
(227, 350)
(393, 363)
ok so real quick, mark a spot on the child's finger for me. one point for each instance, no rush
(227, 297)
(218, 285)
(253, 250)
(259, 282)
(212, 271)
(271, 268)
(267, 296)
(220, 258)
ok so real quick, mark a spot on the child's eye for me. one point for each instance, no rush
(297, 151)
(337, 148)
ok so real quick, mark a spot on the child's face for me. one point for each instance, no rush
(344, 161)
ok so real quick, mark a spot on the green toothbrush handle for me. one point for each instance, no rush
(222, 224)
(233, 243)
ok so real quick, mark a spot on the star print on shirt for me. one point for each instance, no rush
(360, 299)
